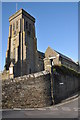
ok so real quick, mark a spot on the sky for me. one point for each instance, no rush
(56, 26)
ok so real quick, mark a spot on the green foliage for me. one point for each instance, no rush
(54, 70)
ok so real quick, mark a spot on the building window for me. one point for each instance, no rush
(13, 26)
(14, 53)
(14, 32)
(16, 24)
(51, 62)
(29, 27)
(10, 30)
(26, 38)
(26, 25)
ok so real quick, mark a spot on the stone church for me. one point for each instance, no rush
(22, 53)
(35, 79)
(22, 56)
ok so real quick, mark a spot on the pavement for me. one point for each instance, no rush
(71, 98)
(68, 109)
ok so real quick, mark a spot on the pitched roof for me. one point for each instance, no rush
(65, 57)
(41, 53)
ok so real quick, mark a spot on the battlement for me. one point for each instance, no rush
(21, 12)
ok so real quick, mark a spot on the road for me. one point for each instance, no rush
(68, 109)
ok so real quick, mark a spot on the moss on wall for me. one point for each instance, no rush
(65, 71)
(66, 82)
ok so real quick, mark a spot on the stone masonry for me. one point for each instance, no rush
(22, 45)
(33, 90)
(22, 49)
(32, 78)
(53, 57)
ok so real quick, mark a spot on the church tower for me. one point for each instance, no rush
(22, 44)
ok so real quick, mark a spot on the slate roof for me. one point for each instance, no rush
(65, 57)
(41, 53)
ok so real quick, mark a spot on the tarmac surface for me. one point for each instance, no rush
(67, 109)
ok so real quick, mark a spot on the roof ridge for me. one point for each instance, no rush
(65, 56)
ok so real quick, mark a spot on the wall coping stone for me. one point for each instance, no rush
(33, 75)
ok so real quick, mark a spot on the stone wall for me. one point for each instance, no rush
(70, 64)
(5, 74)
(33, 90)
(58, 59)
(66, 82)
(22, 45)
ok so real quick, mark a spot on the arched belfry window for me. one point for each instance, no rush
(16, 24)
(26, 25)
(13, 26)
(10, 30)
(29, 27)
